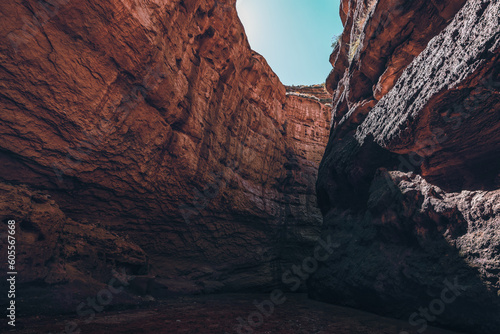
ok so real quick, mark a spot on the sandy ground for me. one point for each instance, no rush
(218, 314)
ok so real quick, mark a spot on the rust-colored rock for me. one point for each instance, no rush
(155, 120)
(52, 250)
(61, 244)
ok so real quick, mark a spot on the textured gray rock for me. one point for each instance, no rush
(409, 184)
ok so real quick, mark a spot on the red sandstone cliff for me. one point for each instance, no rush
(153, 126)
(409, 184)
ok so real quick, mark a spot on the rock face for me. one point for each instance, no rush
(306, 128)
(316, 91)
(168, 148)
(57, 256)
(409, 184)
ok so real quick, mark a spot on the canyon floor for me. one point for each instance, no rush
(219, 314)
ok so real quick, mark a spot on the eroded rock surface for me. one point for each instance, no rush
(155, 120)
(409, 183)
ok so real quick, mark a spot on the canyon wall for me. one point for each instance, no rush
(146, 137)
(409, 186)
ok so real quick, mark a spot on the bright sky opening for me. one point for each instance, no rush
(295, 36)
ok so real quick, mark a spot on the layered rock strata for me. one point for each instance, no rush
(152, 125)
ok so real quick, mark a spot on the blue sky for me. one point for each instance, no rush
(294, 36)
